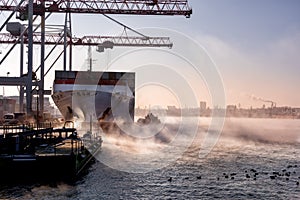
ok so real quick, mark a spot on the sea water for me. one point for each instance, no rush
(252, 159)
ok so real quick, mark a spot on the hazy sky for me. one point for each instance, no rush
(254, 44)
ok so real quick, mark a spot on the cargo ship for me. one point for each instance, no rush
(105, 96)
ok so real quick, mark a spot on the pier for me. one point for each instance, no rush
(40, 150)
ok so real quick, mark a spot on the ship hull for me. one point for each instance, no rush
(83, 105)
(107, 99)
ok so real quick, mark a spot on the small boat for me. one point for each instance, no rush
(149, 119)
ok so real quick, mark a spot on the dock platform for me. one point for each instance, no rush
(44, 151)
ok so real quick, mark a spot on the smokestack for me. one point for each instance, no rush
(273, 104)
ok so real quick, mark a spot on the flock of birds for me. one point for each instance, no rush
(285, 174)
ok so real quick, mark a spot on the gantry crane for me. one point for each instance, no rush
(31, 9)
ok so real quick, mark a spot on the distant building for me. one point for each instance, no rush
(48, 108)
(202, 105)
(231, 108)
(7, 105)
(47, 105)
(172, 110)
(231, 111)
(17, 107)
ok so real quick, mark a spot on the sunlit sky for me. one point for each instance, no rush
(254, 44)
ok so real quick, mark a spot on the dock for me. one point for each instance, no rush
(43, 151)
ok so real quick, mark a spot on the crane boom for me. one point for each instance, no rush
(106, 41)
(125, 41)
(133, 7)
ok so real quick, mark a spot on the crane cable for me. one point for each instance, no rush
(125, 27)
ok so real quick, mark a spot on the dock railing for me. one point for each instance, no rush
(35, 138)
(18, 128)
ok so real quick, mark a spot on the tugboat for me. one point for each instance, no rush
(149, 119)
(29, 151)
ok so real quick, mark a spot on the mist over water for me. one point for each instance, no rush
(235, 130)
(269, 131)
(252, 159)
